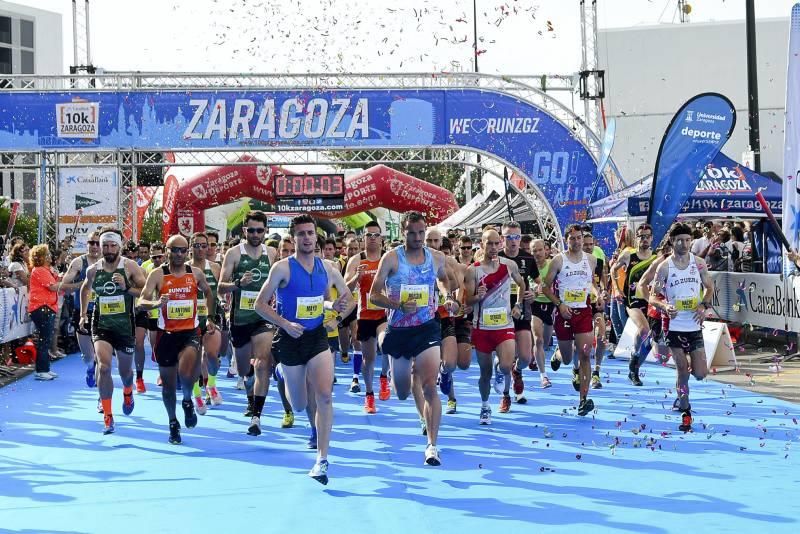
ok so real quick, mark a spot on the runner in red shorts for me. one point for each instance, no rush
(569, 284)
(488, 289)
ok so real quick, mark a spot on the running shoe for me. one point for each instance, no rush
(175, 432)
(255, 426)
(686, 421)
(576, 379)
(355, 387)
(249, 411)
(499, 380)
(585, 407)
(516, 381)
(140, 386)
(127, 403)
(546, 382)
(345, 357)
(108, 424)
(445, 382)
(158, 381)
(229, 374)
(432, 456)
(44, 376)
(533, 366)
(486, 416)
(384, 393)
(676, 406)
(91, 381)
(369, 403)
(505, 404)
(596, 382)
(288, 420)
(451, 407)
(216, 398)
(320, 472)
(189, 417)
(240, 384)
(312, 439)
(555, 361)
(424, 426)
(99, 405)
(520, 399)
(633, 376)
(200, 406)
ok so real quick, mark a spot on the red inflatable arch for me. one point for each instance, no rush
(379, 186)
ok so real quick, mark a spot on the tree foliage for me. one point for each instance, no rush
(152, 224)
(27, 226)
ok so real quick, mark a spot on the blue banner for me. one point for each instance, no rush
(605, 157)
(522, 135)
(694, 137)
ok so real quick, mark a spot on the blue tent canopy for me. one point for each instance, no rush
(727, 189)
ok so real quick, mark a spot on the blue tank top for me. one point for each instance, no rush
(302, 299)
(80, 278)
(412, 282)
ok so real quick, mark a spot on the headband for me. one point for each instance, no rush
(111, 237)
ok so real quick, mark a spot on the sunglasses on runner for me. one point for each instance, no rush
(513, 237)
(156, 256)
(256, 230)
(200, 245)
(179, 250)
(373, 235)
(467, 247)
(94, 243)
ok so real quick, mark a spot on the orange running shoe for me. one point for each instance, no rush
(384, 392)
(140, 386)
(505, 404)
(369, 403)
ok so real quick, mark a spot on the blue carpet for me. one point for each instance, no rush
(626, 468)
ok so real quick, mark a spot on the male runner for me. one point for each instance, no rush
(542, 311)
(488, 289)
(526, 264)
(686, 287)
(635, 264)
(244, 272)
(658, 323)
(598, 313)
(114, 281)
(573, 272)
(157, 257)
(347, 326)
(300, 284)
(77, 274)
(360, 272)
(221, 320)
(211, 338)
(406, 285)
(177, 284)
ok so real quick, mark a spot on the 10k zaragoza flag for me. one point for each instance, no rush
(791, 151)
(694, 137)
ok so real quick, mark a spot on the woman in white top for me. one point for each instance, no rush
(18, 269)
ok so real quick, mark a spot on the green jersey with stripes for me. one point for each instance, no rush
(113, 303)
(244, 300)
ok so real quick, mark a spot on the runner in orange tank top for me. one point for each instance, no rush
(178, 342)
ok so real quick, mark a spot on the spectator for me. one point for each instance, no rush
(143, 253)
(738, 248)
(18, 270)
(287, 247)
(722, 253)
(700, 246)
(42, 306)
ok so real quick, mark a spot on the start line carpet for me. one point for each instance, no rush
(624, 468)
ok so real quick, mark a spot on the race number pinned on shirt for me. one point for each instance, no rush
(112, 305)
(575, 296)
(371, 306)
(248, 300)
(178, 310)
(309, 307)
(202, 307)
(494, 316)
(686, 304)
(414, 293)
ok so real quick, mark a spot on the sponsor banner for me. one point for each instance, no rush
(93, 190)
(77, 120)
(144, 196)
(14, 320)
(168, 204)
(598, 191)
(558, 165)
(791, 155)
(694, 137)
(761, 300)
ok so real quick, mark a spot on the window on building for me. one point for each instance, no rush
(28, 186)
(5, 30)
(26, 63)
(5, 60)
(26, 33)
(12, 184)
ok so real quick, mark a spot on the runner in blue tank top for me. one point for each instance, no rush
(301, 284)
(405, 284)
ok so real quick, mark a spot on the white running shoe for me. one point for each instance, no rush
(240, 383)
(43, 376)
(320, 472)
(432, 456)
(486, 416)
(255, 426)
(200, 406)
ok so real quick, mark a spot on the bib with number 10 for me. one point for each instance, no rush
(202, 308)
(414, 293)
(575, 296)
(495, 316)
(180, 309)
(247, 300)
(112, 305)
(309, 307)
(687, 304)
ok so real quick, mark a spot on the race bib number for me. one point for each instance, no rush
(442, 299)
(370, 305)
(309, 307)
(202, 308)
(495, 317)
(178, 310)
(92, 296)
(687, 304)
(575, 296)
(112, 305)
(514, 288)
(414, 293)
(248, 300)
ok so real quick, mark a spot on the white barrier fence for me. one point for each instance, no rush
(760, 300)
(14, 319)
